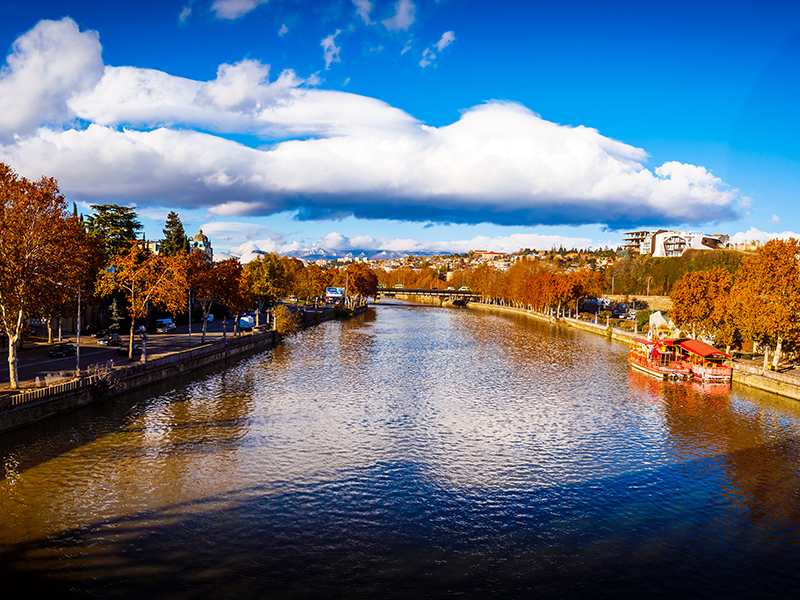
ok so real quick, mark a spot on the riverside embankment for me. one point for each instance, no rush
(745, 372)
(102, 381)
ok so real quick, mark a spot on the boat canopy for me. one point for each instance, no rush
(701, 348)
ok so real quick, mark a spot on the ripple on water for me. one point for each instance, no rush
(415, 452)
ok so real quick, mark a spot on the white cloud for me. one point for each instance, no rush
(346, 81)
(185, 12)
(753, 234)
(404, 15)
(47, 66)
(233, 9)
(283, 30)
(363, 8)
(326, 154)
(447, 38)
(406, 48)
(775, 219)
(330, 49)
(427, 58)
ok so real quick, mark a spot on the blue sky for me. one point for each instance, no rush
(440, 125)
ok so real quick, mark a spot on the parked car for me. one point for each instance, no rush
(100, 333)
(112, 339)
(63, 350)
(246, 322)
(165, 326)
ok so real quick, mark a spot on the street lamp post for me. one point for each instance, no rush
(612, 283)
(190, 317)
(78, 343)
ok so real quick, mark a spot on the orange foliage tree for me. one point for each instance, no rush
(765, 298)
(145, 279)
(700, 301)
(40, 253)
(235, 289)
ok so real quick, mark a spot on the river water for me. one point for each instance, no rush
(411, 453)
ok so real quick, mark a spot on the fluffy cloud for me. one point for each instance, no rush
(233, 9)
(283, 30)
(330, 49)
(404, 15)
(146, 136)
(363, 8)
(753, 235)
(448, 37)
(47, 66)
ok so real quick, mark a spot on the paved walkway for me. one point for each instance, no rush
(34, 359)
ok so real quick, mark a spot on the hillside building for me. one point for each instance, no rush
(666, 243)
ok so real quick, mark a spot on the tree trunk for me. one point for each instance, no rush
(50, 330)
(766, 357)
(777, 356)
(13, 375)
(13, 361)
(130, 341)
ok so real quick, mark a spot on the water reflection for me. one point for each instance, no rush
(415, 452)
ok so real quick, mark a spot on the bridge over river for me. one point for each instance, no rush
(442, 295)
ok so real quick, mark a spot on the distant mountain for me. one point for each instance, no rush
(311, 254)
(315, 253)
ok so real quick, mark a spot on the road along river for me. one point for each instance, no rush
(411, 453)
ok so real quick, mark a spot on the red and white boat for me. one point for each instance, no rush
(705, 362)
(660, 358)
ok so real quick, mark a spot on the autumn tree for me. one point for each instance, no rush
(114, 226)
(39, 252)
(360, 281)
(311, 282)
(202, 283)
(175, 239)
(765, 298)
(145, 279)
(234, 288)
(269, 279)
(700, 301)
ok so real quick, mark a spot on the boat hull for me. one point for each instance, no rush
(654, 369)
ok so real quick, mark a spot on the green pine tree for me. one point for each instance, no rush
(175, 240)
(115, 227)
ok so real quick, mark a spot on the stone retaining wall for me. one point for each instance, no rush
(32, 406)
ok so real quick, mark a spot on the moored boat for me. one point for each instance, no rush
(705, 362)
(659, 357)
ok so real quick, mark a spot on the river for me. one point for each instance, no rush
(411, 453)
